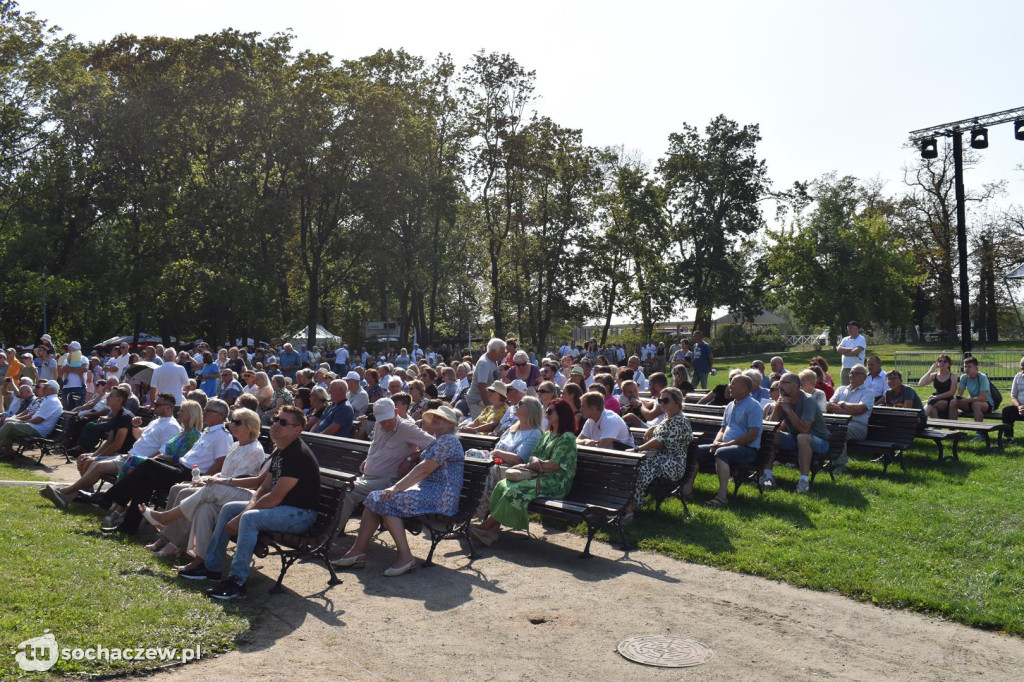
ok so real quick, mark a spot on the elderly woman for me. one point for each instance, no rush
(417, 400)
(553, 459)
(518, 442)
(373, 388)
(281, 397)
(319, 401)
(249, 382)
(668, 440)
(449, 388)
(489, 419)
(189, 523)
(431, 487)
(264, 391)
(524, 370)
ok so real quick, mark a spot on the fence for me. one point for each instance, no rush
(999, 365)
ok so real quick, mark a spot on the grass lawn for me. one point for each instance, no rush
(20, 470)
(63, 575)
(944, 539)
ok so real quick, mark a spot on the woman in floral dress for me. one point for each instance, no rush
(432, 487)
(554, 458)
(669, 440)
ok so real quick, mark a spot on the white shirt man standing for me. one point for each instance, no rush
(485, 374)
(852, 349)
(169, 377)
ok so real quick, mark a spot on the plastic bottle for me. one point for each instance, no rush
(196, 476)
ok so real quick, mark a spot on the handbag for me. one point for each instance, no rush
(519, 473)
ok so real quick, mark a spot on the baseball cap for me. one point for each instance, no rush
(352, 376)
(74, 345)
(384, 409)
(518, 385)
(576, 370)
(53, 385)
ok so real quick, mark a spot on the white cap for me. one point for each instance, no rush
(45, 337)
(352, 376)
(384, 409)
(53, 385)
(518, 385)
(74, 345)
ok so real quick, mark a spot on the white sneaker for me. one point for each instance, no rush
(803, 486)
(768, 482)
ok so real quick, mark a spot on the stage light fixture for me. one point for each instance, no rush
(979, 137)
(1018, 129)
(929, 148)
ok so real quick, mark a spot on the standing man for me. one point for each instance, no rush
(290, 361)
(703, 360)
(802, 429)
(852, 349)
(285, 501)
(169, 377)
(341, 360)
(856, 400)
(485, 374)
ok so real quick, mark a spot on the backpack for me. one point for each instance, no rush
(997, 397)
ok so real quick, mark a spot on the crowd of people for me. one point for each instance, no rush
(188, 432)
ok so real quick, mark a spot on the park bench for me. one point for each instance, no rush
(337, 453)
(316, 542)
(984, 428)
(50, 445)
(837, 425)
(600, 495)
(662, 488)
(439, 527)
(712, 424)
(715, 410)
(891, 431)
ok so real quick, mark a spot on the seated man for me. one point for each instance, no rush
(876, 379)
(648, 412)
(978, 402)
(285, 501)
(603, 428)
(130, 439)
(737, 442)
(900, 395)
(337, 419)
(228, 389)
(856, 400)
(38, 421)
(21, 398)
(393, 451)
(155, 475)
(802, 429)
(514, 391)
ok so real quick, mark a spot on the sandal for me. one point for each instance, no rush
(715, 502)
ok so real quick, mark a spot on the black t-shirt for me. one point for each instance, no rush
(297, 461)
(123, 420)
(237, 366)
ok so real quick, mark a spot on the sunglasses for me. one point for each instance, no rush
(520, 364)
(282, 422)
(549, 412)
(664, 401)
(237, 422)
(547, 390)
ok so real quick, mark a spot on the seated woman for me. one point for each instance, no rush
(489, 419)
(524, 370)
(573, 394)
(818, 361)
(418, 400)
(944, 384)
(431, 487)
(516, 444)
(281, 397)
(554, 459)
(669, 441)
(319, 402)
(189, 522)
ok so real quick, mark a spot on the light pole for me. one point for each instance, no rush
(926, 138)
(45, 325)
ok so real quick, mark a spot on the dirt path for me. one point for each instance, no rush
(530, 609)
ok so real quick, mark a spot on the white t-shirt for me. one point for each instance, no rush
(853, 342)
(156, 434)
(611, 426)
(172, 378)
(341, 356)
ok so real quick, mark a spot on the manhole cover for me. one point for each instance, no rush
(665, 652)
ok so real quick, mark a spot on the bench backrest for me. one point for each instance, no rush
(718, 410)
(331, 452)
(475, 473)
(896, 425)
(333, 486)
(604, 477)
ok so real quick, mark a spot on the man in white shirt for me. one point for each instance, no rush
(876, 380)
(341, 360)
(638, 373)
(515, 392)
(153, 474)
(358, 400)
(169, 377)
(122, 360)
(852, 349)
(38, 423)
(148, 442)
(604, 428)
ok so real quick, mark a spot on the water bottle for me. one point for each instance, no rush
(196, 476)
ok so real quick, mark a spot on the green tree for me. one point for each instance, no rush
(714, 186)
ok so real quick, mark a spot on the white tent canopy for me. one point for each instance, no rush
(322, 336)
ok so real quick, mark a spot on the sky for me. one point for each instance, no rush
(834, 86)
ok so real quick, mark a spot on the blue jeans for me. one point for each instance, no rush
(730, 454)
(282, 519)
(700, 379)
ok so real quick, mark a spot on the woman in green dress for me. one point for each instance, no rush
(554, 458)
